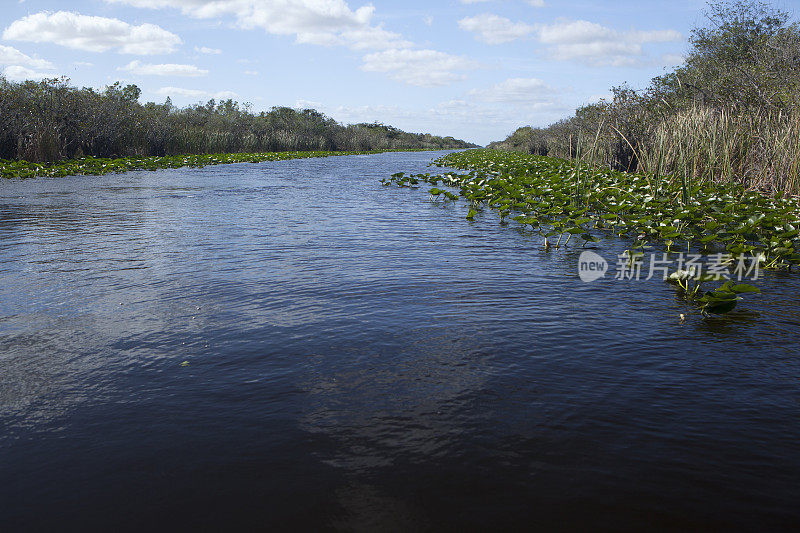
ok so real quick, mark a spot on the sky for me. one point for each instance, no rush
(473, 69)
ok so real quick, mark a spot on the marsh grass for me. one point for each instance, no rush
(700, 145)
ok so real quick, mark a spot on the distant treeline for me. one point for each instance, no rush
(53, 121)
(731, 112)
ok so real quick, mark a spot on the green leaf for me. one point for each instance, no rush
(720, 307)
(744, 287)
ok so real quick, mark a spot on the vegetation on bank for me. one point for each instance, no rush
(98, 166)
(567, 201)
(730, 114)
(51, 121)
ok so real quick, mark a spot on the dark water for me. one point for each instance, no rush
(362, 359)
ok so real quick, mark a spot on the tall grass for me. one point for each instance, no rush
(760, 151)
(698, 144)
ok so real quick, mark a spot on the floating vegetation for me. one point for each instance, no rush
(719, 301)
(563, 200)
(97, 166)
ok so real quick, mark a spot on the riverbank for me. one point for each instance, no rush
(98, 166)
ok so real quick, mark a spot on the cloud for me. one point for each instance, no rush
(524, 92)
(195, 93)
(373, 38)
(206, 50)
(326, 22)
(329, 23)
(536, 3)
(93, 34)
(596, 45)
(423, 68)
(13, 57)
(19, 73)
(308, 104)
(493, 29)
(168, 69)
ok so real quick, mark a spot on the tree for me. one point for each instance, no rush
(747, 57)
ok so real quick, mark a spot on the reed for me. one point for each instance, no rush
(703, 145)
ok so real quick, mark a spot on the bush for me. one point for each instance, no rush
(52, 121)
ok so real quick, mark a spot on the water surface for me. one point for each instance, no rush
(292, 345)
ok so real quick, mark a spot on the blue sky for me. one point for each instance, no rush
(474, 69)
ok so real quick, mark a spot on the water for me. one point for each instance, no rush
(291, 345)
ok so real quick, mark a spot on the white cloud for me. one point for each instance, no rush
(19, 73)
(195, 93)
(493, 29)
(251, 72)
(167, 69)
(527, 92)
(329, 23)
(424, 68)
(11, 56)
(307, 104)
(536, 3)
(94, 34)
(326, 22)
(579, 31)
(596, 45)
(21, 67)
(374, 38)
(207, 50)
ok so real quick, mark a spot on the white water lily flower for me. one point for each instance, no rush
(682, 275)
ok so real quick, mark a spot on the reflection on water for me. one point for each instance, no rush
(291, 345)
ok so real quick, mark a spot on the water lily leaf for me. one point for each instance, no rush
(719, 307)
(744, 287)
(720, 295)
